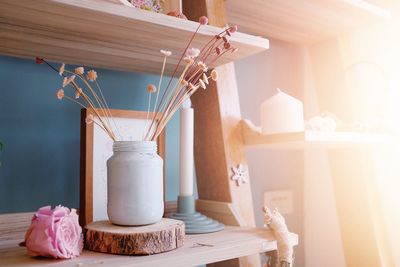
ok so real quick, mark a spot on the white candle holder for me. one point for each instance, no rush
(195, 222)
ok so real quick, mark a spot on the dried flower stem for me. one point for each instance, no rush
(107, 109)
(172, 95)
(158, 93)
(147, 115)
(73, 100)
(104, 124)
(159, 82)
(92, 92)
(95, 111)
(172, 76)
(176, 107)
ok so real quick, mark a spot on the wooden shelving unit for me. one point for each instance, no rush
(108, 34)
(253, 137)
(233, 242)
(105, 34)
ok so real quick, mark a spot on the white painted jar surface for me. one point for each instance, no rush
(135, 183)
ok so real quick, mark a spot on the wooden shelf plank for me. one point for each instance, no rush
(233, 242)
(253, 137)
(105, 34)
(303, 21)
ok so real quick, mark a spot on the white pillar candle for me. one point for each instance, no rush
(186, 150)
(282, 113)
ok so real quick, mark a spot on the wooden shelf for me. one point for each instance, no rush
(105, 33)
(231, 243)
(304, 21)
(253, 137)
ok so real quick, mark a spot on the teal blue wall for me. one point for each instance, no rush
(40, 159)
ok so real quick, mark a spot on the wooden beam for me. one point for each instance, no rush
(172, 5)
(360, 218)
(223, 212)
(362, 233)
(218, 140)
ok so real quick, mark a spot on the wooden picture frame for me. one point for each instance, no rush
(93, 168)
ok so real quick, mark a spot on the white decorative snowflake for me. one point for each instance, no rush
(239, 175)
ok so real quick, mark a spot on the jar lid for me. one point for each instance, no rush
(123, 146)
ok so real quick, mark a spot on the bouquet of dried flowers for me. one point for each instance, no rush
(195, 75)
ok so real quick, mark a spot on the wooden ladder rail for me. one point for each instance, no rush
(218, 139)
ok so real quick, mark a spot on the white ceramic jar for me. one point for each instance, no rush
(135, 183)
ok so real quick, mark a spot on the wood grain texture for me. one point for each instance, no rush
(105, 34)
(166, 235)
(86, 160)
(170, 207)
(86, 170)
(300, 21)
(253, 137)
(361, 223)
(223, 212)
(13, 227)
(202, 249)
(171, 5)
(218, 143)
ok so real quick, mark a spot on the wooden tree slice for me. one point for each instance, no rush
(166, 235)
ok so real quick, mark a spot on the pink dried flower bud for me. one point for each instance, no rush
(202, 66)
(205, 79)
(227, 32)
(233, 29)
(218, 50)
(39, 60)
(60, 94)
(78, 93)
(202, 84)
(214, 75)
(79, 70)
(227, 45)
(203, 20)
(62, 69)
(192, 52)
(89, 119)
(151, 88)
(166, 53)
(226, 40)
(68, 80)
(91, 75)
(184, 83)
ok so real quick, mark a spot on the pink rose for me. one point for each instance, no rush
(54, 233)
